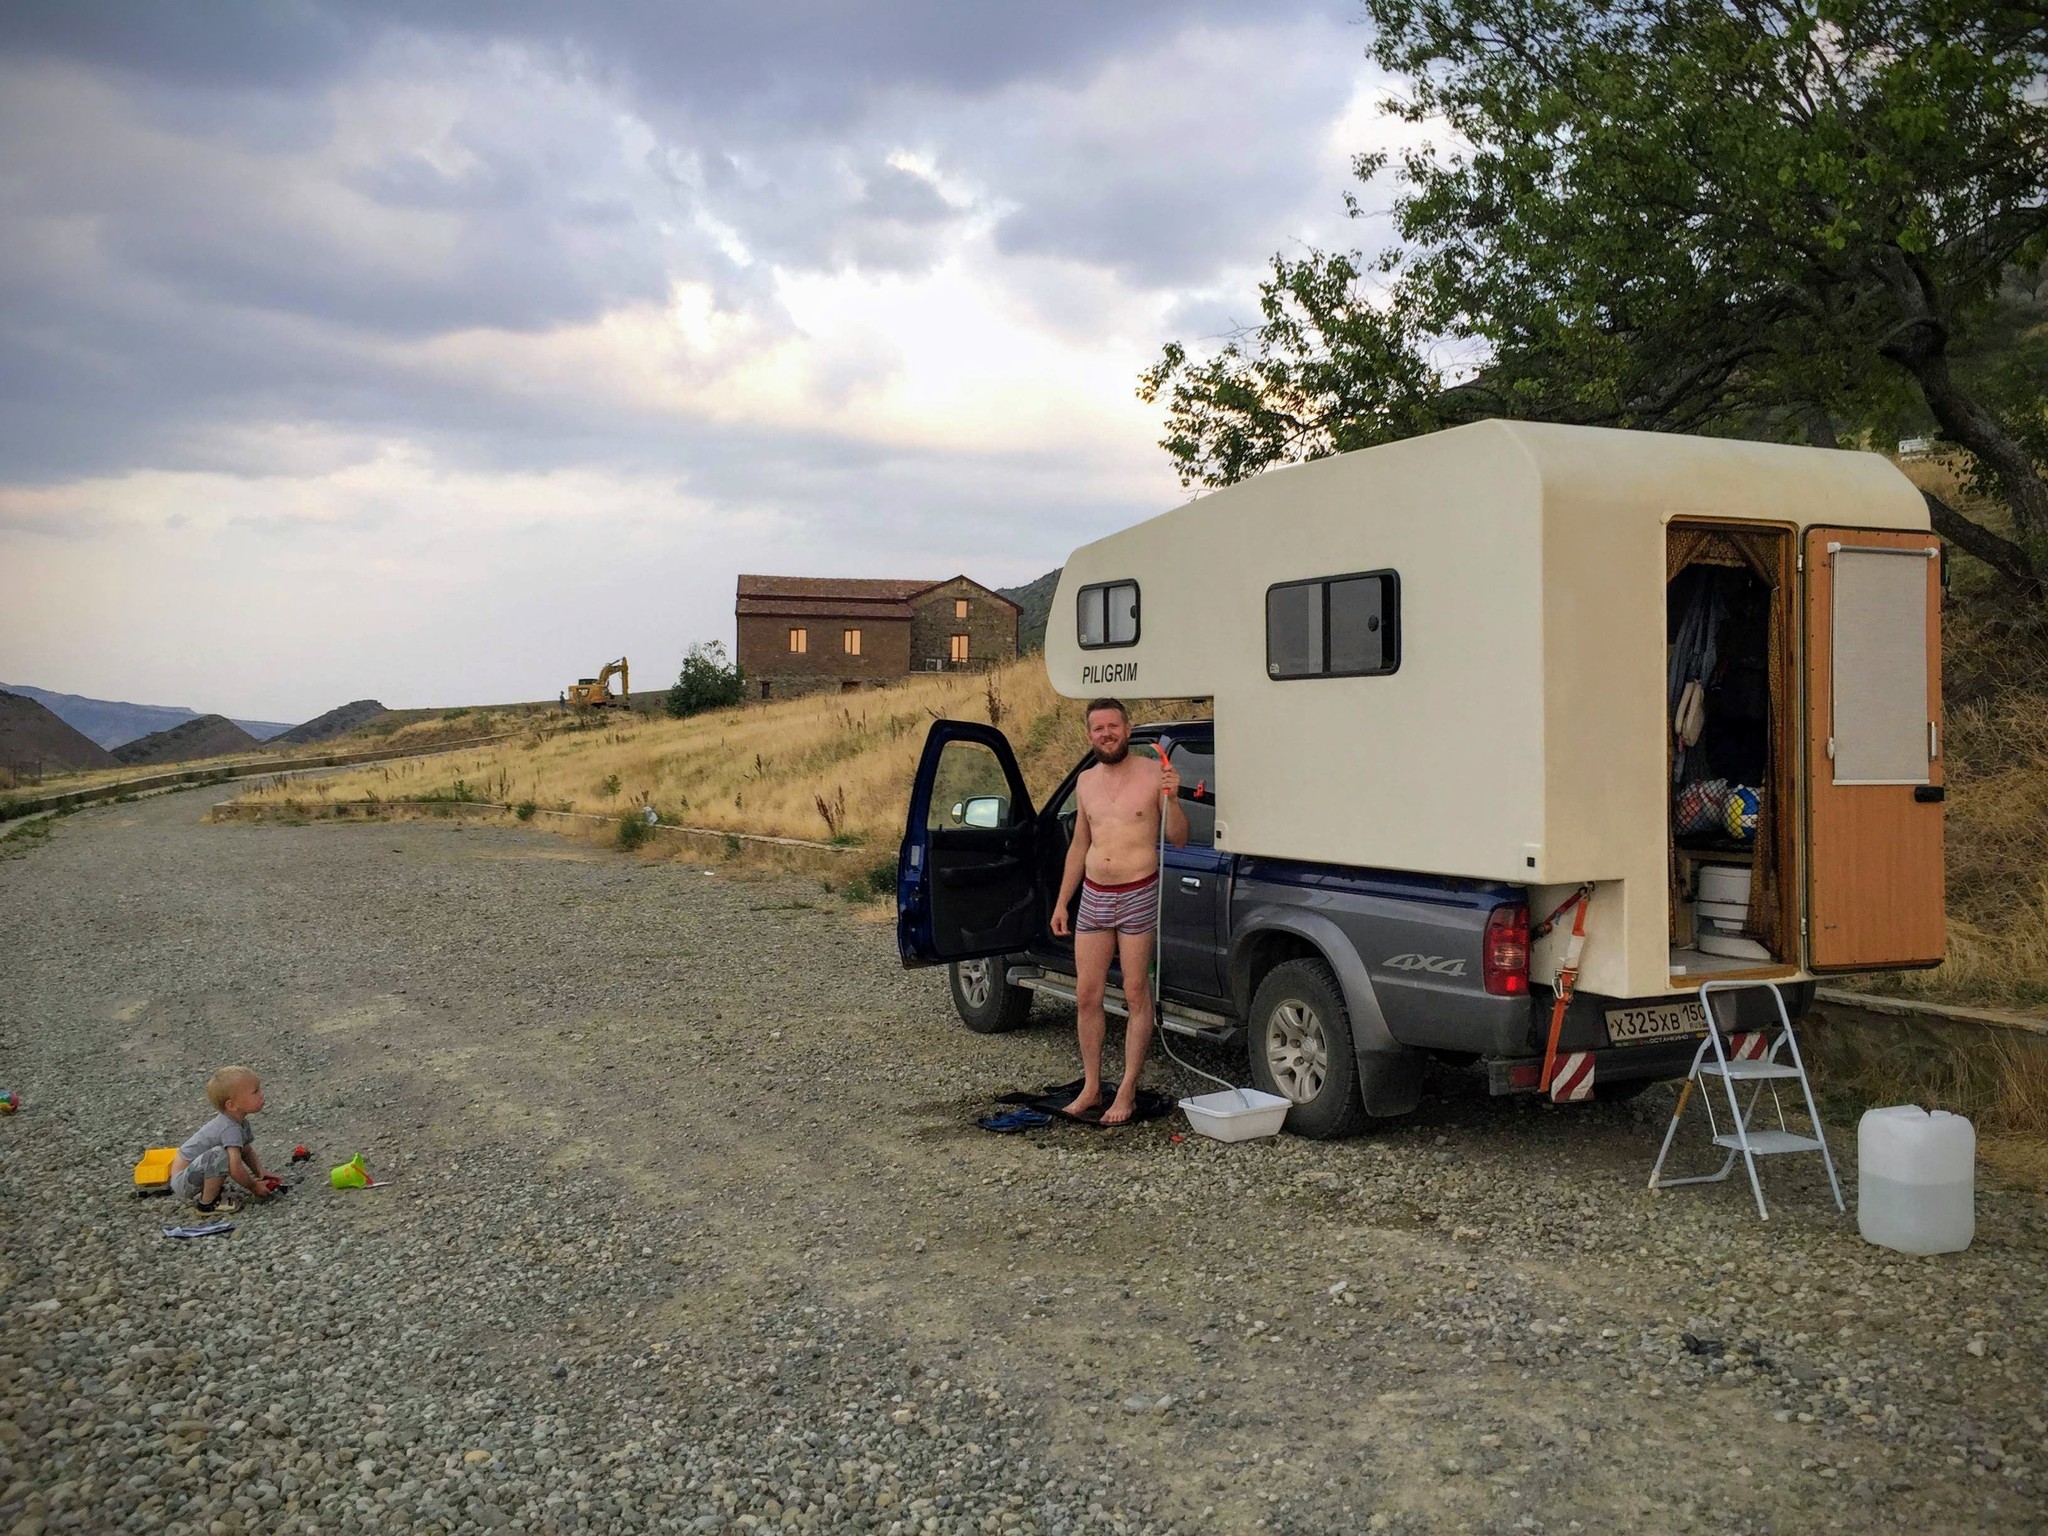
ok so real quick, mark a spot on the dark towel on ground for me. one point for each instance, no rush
(1054, 1101)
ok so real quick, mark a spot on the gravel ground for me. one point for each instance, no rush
(692, 1230)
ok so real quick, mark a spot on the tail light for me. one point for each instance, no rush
(1505, 952)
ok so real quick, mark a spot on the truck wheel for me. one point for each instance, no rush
(1300, 1047)
(985, 1001)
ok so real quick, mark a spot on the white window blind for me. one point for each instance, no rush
(1880, 727)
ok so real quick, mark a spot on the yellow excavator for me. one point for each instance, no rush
(595, 692)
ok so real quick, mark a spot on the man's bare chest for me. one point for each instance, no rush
(1124, 802)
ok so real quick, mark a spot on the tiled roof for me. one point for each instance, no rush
(843, 588)
(859, 593)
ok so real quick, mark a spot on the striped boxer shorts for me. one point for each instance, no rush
(1127, 908)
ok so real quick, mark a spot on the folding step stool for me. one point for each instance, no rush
(1744, 1067)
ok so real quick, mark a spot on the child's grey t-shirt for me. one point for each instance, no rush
(221, 1131)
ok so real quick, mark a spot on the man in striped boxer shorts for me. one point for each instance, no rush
(1114, 863)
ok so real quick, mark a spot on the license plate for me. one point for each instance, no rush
(1658, 1021)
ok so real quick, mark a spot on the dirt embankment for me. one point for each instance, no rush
(34, 742)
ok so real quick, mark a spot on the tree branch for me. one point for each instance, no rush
(1994, 549)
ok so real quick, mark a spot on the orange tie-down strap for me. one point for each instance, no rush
(1567, 973)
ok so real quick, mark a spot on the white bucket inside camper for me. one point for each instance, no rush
(1722, 908)
(1237, 1114)
(1916, 1179)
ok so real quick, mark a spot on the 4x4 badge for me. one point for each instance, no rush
(1436, 965)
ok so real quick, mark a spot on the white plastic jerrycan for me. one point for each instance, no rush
(1916, 1187)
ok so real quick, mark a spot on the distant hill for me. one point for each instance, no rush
(34, 740)
(207, 736)
(340, 719)
(110, 723)
(1035, 598)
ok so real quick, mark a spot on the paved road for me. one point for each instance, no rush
(692, 1230)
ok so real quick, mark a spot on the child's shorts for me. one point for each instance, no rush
(189, 1182)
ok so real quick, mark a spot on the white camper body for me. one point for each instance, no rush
(1514, 724)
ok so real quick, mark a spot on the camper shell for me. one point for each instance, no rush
(1455, 656)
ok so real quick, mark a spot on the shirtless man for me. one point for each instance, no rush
(1114, 861)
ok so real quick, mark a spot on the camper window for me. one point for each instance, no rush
(1334, 626)
(1197, 794)
(1107, 615)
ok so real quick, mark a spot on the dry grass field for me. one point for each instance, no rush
(829, 767)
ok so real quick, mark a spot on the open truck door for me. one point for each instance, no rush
(967, 876)
(1873, 731)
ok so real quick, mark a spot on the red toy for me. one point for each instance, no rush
(300, 1154)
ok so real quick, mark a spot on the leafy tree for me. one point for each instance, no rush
(1796, 219)
(707, 681)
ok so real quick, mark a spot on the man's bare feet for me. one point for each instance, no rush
(1090, 1097)
(1120, 1112)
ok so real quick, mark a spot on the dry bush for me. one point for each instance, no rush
(1997, 1077)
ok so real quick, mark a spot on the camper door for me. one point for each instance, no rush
(1874, 769)
(967, 873)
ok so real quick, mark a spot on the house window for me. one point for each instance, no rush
(767, 688)
(1334, 626)
(799, 641)
(959, 607)
(959, 648)
(1107, 615)
(852, 642)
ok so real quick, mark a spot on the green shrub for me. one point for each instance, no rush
(707, 681)
(611, 784)
(458, 793)
(524, 810)
(732, 846)
(633, 829)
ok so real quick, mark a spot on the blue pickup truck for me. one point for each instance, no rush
(1339, 983)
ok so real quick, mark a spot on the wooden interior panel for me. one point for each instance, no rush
(1874, 851)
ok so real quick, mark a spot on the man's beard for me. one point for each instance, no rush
(1107, 761)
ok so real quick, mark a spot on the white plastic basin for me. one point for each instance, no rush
(1916, 1179)
(1236, 1114)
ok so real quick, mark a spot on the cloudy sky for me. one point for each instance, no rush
(440, 352)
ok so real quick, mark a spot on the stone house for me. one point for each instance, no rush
(811, 634)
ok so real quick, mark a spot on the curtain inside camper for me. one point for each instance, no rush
(1767, 553)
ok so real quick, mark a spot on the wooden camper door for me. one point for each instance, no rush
(1874, 769)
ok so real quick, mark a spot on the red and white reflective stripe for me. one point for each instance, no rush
(1573, 1079)
(1748, 1047)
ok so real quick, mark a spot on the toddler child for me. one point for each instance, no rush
(223, 1150)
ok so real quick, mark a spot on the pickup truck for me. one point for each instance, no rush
(1340, 984)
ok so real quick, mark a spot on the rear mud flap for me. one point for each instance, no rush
(1390, 1082)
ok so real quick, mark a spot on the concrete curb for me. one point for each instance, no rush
(31, 805)
(1905, 1007)
(241, 810)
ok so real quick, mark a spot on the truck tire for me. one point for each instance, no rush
(984, 999)
(1299, 1042)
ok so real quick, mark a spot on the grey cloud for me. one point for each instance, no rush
(1165, 189)
(812, 61)
(894, 193)
(189, 263)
